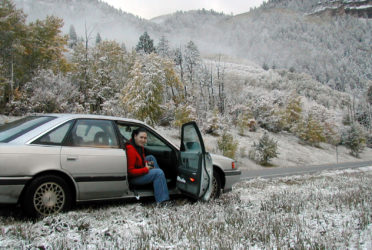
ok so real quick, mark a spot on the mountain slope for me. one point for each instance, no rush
(92, 16)
(335, 51)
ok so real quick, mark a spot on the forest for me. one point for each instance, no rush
(320, 95)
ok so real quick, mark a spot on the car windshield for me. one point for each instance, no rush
(12, 130)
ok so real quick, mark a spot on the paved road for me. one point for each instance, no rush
(280, 172)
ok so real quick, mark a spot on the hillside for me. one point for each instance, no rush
(334, 51)
(91, 16)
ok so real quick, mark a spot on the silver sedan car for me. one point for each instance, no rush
(48, 162)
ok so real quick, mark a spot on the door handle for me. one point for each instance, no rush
(72, 158)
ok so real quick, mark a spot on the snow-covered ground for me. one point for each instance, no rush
(327, 210)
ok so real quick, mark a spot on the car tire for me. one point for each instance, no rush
(216, 185)
(46, 195)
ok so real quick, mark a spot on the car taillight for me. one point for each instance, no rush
(233, 165)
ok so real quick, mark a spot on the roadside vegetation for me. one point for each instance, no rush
(328, 210)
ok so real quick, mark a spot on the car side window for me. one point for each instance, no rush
(126, 132)
(93, 133)
(152, 140)
(191, 140)
(56, 136)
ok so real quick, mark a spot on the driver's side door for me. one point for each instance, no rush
(195, 173)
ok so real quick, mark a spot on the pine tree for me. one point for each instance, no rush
(73, 39)
(163, 47)
(145, 44)
(354, 138)
(98, 38)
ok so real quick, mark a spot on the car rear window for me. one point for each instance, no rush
(12, 130)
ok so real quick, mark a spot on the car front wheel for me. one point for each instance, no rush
(46, 195)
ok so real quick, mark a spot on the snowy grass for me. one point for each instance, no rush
(328, 210)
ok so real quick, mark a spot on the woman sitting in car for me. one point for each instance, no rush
(143, 169)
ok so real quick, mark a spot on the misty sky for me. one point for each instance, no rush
(153, 8)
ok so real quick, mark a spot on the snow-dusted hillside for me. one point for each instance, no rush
(279, 34)
(89, 17)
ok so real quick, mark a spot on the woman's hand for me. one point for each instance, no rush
(149, 166)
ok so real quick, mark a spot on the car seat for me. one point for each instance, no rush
(100, 138)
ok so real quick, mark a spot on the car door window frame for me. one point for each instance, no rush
(148, 129)
(39, 139)
(69, 139)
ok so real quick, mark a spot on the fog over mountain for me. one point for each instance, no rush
(335, 50)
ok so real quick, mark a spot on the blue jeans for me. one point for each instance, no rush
(157, 178)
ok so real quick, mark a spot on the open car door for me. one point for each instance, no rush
(195, 173)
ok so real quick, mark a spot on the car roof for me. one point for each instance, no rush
(62, 118)
(66, 116)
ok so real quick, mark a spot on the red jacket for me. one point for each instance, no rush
(136, 167)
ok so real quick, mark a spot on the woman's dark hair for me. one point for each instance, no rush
(137, 131)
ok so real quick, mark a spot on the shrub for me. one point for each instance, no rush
(227, 145)
(354, 138)
(264, 150)
(184, 114)
(332, 136)
(213, 123)
(245, 121)
(292, 114)
(310, 131)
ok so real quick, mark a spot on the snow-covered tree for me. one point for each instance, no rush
(174, 86)
(292, 113)
(184, 113)
(145, 44)
(143, 95)
(163, 48)
(108, 76)
(213, 122)
(355, 139)
(50, 93)
(192, 59)
(98, 38)
(179, 61)
(227, 145)
(72, 39)
(264, 150)
(310, 131)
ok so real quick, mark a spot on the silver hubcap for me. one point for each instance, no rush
(49, 198)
